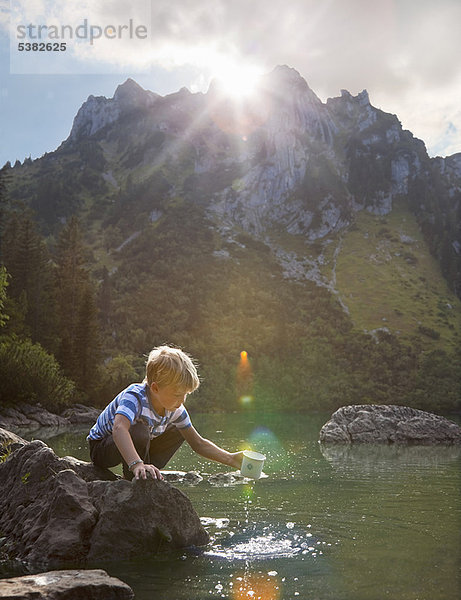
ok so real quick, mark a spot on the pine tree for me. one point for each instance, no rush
(87, 342)
(3, 285)
(105, 297)
(79, 344)
(4, 178)
(28, 262)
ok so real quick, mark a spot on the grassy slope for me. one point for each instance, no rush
(387, 278)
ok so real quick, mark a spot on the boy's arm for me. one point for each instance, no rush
(123, 441)
(209, 449)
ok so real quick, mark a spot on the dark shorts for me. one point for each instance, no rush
(156, 451)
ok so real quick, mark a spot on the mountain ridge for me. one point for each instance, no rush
(283, 158)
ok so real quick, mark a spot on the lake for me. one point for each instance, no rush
(347, 523)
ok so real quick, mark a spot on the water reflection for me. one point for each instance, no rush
(366, 458)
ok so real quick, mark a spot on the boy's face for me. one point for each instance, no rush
(169, 397)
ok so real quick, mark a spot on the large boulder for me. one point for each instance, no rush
(93, 584)
(54, 510)
(389, 424)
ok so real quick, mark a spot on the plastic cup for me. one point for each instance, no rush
(252, 464)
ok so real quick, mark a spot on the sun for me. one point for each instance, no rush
(237, 102)
(237, 81)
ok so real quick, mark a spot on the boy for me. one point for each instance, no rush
(146, 423)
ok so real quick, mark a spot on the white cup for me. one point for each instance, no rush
(252, 464)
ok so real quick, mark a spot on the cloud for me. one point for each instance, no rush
(99, 36)
(405, 53)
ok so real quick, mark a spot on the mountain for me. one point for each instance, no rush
(214, 217)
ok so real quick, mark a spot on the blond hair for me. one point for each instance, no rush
(171, 366)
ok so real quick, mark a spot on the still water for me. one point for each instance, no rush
(339, 524)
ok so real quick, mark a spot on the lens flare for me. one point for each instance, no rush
(267, 442)
(244, 378)
(246, 400)
(256, 586)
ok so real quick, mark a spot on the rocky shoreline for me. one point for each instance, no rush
(30, 417)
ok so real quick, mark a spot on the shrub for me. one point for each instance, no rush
(29, 374)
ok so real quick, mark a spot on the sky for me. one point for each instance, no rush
(404, 52)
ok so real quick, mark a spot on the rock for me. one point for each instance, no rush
(30, 416)
(93, 584)
(88, 471)
(9, 441)
(389, 424)
(51, 512)
(141, 517)
(191, 477)
(173, 475)
(99, 112)
(78, 414)
(225, 479)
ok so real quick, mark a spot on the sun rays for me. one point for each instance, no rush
(236, 80)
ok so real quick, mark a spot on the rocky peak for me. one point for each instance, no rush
(285, 82)
(287, 76)
(363, 98)
(352, 112)
(130, 94)
(99, 111)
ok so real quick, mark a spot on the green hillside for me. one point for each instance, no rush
(387, 278)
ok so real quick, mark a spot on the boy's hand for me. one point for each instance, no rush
(237, 458)
(143, 471)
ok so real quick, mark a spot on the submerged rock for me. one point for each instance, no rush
(391, 424)
(93, 584)
(191, 477)
(54, 510)
(224, 479)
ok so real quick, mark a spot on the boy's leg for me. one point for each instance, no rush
(104, 452)
(164, 446)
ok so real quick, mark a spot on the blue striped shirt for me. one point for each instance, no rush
(133, 403)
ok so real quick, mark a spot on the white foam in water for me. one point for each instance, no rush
(260, 547)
